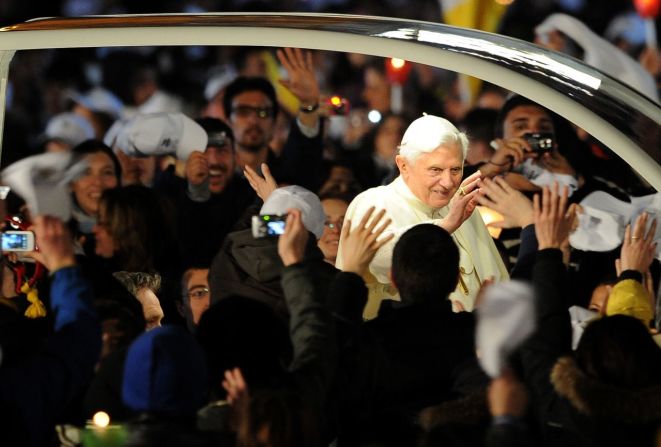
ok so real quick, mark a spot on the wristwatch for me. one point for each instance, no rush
(309, 109)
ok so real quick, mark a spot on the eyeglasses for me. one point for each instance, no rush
(245, 111)
(198, 293)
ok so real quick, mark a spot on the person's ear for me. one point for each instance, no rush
(402, 164)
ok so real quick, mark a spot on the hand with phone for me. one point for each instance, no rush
(291, 245)
(55, 243)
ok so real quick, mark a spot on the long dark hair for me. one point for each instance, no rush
(620, 351)
(142, 227)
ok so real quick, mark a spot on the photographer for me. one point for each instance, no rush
(39, 385)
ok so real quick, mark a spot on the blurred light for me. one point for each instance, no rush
(336, 101)
(397, 63)
(504, 2)
(490, 216)
(374, 116)
(101, 419)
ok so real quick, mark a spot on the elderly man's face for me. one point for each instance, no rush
(435, 176)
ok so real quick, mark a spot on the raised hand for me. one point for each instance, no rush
(553, 222)
(516, 208)
(197, 168)
(263, 186)
(638, 247)
(302, 80)
(235, 386)
(291, 244)
(360, 244)
(55, 243)
(462, 204)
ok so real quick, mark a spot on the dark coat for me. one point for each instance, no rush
(252, 268)
(572, 407)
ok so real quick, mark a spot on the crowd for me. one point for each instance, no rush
(267, 254)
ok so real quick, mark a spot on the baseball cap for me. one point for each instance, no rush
(220, 79)
(69, 128)
(158, 134)
(99, 99)
(300, 198)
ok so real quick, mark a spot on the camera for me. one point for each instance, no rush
(18, 241)
(268, 225)
(540, 142)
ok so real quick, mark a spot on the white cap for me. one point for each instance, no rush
(505, 319)
(601, 224)
(43, 182)
(100, 99)
(158, 134)
(70, 128)
(427, 133)
(300, 198)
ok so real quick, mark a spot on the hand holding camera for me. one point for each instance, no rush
(55, 244)
(291, 244)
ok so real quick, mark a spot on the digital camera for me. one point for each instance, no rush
(540, 142)
(268, 225)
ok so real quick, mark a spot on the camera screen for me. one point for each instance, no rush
(275, 227)
(14, 241)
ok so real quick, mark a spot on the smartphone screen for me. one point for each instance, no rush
(17, 241)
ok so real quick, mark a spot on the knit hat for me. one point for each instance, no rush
(300, 198)
(165, 373)
(629, 297)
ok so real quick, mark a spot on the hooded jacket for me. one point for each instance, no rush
(251, 267)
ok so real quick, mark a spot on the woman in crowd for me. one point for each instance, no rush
(103, 172)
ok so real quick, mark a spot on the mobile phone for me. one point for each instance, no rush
(540, 142)
(18, 241)
(268, 225)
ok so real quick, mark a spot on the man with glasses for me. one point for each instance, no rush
(251, 105)
(195, 288)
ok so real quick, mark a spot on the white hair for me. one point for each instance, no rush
(427, 133)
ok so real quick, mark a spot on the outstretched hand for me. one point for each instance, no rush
(302, 80)
(291, 244)
(235, 386)
(463, 203)
(553, 222)
(515, 207)
(263, 186)
(638, 247)
(360, 244)
(197, 168)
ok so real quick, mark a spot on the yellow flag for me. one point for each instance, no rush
(482, 15)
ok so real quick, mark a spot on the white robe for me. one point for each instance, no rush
(479, 258)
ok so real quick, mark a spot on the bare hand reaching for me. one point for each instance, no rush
(553, 222)
(515, 207)
(360, 244)
(263, 186)
(235, 386)
(302, 80)
(638, 247)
